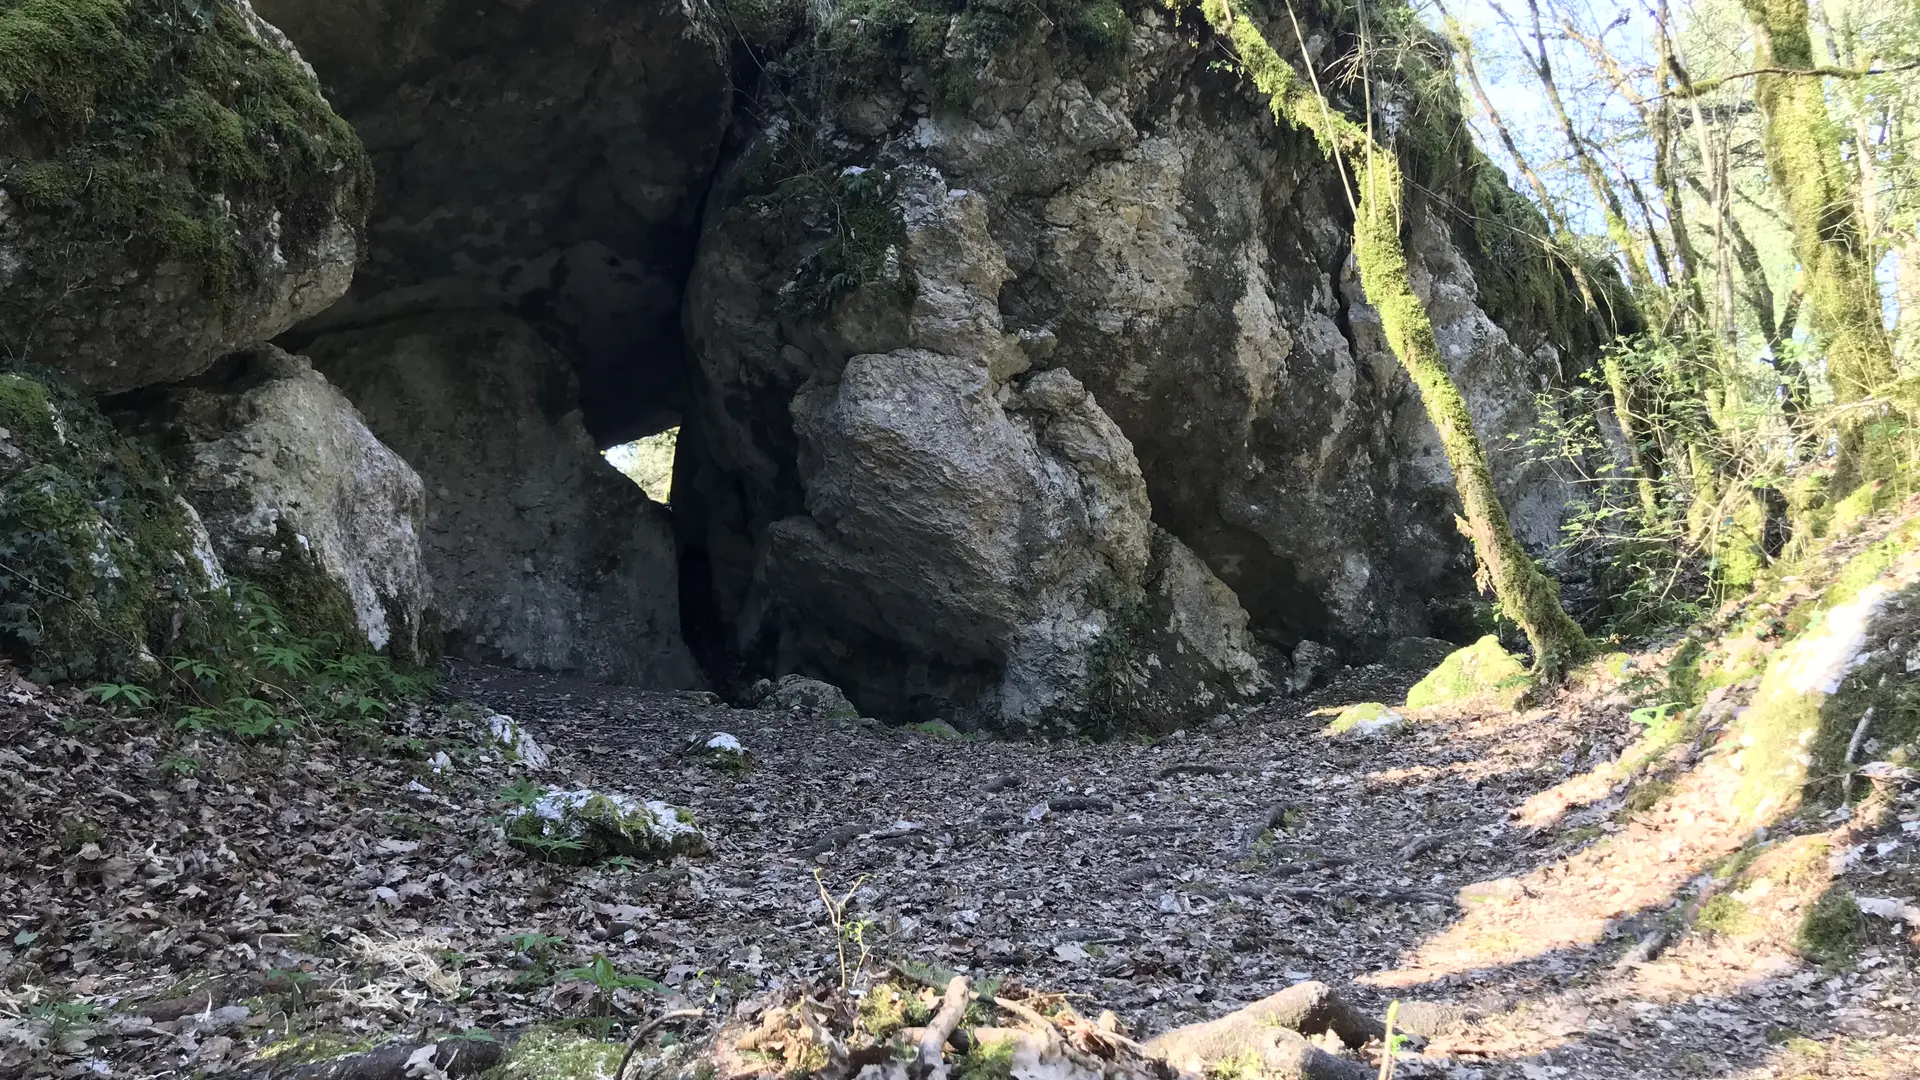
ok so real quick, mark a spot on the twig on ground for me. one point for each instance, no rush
(647, 1029)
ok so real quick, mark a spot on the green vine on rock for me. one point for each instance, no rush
(1374, 182)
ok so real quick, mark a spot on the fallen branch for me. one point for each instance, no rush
(1648, 947)
(838, 839)
(953, 1007)
(1425, 844)
(405, 1061)
(1310, 865)
(647, 1029)
(1196, 768)
(1079, 802)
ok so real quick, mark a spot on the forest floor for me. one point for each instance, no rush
(177, 909)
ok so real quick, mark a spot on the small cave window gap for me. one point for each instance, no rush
(648, 462)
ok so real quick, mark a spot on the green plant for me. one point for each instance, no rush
(132, 695)
(1724, 915)
(181, 764)
(62, 1017)
(522, 792)
(1830, 932)
(606, 978)
(849, 935)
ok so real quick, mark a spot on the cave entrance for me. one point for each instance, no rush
(648, 462)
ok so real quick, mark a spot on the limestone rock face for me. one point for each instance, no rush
(281, 468)
(983, 529)
(993, 381)
(541, 554)
(149, 227)
(547, 158)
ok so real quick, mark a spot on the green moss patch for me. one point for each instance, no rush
(99, 574)
(1830, 933)
(986, 1061)
(1368, 720)
(1481, 671)
(163, 130)
(548, 1054)
(1724, 915)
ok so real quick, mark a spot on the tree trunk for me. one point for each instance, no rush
(1525, 594)
(1804, 160)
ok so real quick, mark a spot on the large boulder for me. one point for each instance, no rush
(171, 188)
(941, 240)
(549, 159)
(299, 496)
(540, 553)
(971, 541)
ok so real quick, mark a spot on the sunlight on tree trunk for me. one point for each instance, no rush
(1804, 159)
(1525, 595)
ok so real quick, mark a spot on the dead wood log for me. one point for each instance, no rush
(640, 1035)
(838, 838)
(1308, 1008)
(1644, 951)
(1425, 844)
(953, 1007)
(403, 1061)
(1078, 802)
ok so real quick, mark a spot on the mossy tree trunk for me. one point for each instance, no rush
(1803, 156)
(1525, 595)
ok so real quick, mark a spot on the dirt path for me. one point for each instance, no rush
(1396, 867)
(321, 889)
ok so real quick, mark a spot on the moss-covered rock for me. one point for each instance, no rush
(1368, 720)
(584, 826)
(173, 186)
(103, 568)
(719, 750)
(1481, 671)
(1816, 689)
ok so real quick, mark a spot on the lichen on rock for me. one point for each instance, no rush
(815, 696)
(584, 826)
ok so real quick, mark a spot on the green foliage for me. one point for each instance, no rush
(522, 792)
(98, 571)
(854, 212)
(164, 129)
(1724, 915)
(955, 41)
(606, 978)
(100, 578)
(986, 1061)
